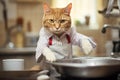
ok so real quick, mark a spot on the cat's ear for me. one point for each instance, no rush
(46, 8)
(68, 8)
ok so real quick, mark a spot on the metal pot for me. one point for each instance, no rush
(93, 67)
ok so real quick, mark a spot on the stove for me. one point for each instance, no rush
(115, 77)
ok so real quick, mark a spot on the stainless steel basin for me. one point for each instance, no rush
(88, 67)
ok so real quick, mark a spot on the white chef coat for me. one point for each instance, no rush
(62, 48)
(44, 36)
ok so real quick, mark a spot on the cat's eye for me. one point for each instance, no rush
(51, 20)
(62, 21)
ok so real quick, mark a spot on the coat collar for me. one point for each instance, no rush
(49, 34)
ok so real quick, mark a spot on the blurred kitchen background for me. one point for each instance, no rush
(21, 27)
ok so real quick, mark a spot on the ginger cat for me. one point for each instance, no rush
(57, 36)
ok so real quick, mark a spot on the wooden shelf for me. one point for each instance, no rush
(27, 1)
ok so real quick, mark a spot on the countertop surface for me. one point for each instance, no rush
(24, 50)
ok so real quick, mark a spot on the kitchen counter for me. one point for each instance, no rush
(27, 53)
(10, 51)
(19, 75)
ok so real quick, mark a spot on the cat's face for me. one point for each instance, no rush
(57, 20)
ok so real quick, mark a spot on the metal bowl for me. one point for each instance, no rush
(88, 67)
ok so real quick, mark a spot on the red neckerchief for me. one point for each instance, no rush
(67, 36)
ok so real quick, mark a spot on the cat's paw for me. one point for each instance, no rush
(86, 46)
(49, 55)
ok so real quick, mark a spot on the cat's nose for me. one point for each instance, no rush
(57, 28)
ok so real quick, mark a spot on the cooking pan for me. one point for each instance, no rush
(88, 67)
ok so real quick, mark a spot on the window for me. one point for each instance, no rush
(80, 9)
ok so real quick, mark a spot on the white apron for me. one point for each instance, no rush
(61, 49)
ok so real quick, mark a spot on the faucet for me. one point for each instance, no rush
(8, 43)
(109, 26)
(116, 44)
